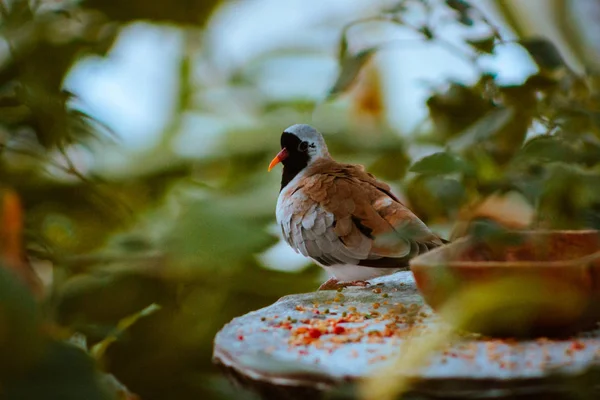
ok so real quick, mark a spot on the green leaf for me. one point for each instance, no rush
(500, 133)
(485, 45)
(548, 148)
(540, 82)
(21, 340)
(350, 68)
(521, 97)
(570, 196)
(562, 147)
(390, 166)
(458, 5)
(483, 129)
(432, 196)
(99, 349)
(455, 109)
(210, 234)
(590, 150)
(343, 46)
(462, 8)
(544, 53)
(427, 32)
(182, 12)
(65, 373)
(440, 163)
(105, 298)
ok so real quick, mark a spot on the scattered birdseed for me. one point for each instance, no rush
(383, 323)
(577, 345)
(314, 333)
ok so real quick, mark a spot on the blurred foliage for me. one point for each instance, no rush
(498, 137)
(183, 12)
(183, 232)
(114, 247)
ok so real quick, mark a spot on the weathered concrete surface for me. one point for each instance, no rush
(308, 344)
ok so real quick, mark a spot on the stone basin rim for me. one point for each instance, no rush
(434, 258)
(435, 387)
(235, 365)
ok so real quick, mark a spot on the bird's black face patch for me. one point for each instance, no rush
(297, 158)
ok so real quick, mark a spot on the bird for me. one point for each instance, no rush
(341, 216)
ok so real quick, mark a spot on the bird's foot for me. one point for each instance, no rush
(334, 284)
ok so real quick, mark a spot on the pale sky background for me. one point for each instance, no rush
(133, 90)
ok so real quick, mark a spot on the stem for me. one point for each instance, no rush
(71, 169)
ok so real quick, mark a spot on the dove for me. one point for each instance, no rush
(342, 217)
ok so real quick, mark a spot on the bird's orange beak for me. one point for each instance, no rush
(282, 155)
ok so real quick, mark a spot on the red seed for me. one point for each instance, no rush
(338, 330)
(578, 346)
(314, 333)
(301, 329)
(240, 337)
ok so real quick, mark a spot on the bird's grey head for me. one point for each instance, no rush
(309, 135)
(301, 145)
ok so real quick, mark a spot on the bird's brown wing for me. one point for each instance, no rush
(340, 214)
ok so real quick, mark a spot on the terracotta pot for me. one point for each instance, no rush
(539, 283)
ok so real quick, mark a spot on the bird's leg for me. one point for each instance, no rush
(329, 284)
(333, 284)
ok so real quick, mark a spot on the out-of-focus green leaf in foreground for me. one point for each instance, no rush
(207, 235)
(442, 163)
(34, 365)
(54, 377)
(21, 338)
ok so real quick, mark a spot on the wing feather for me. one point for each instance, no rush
(343, 215)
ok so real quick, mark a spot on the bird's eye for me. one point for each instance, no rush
(312, 146)
(303, 146)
